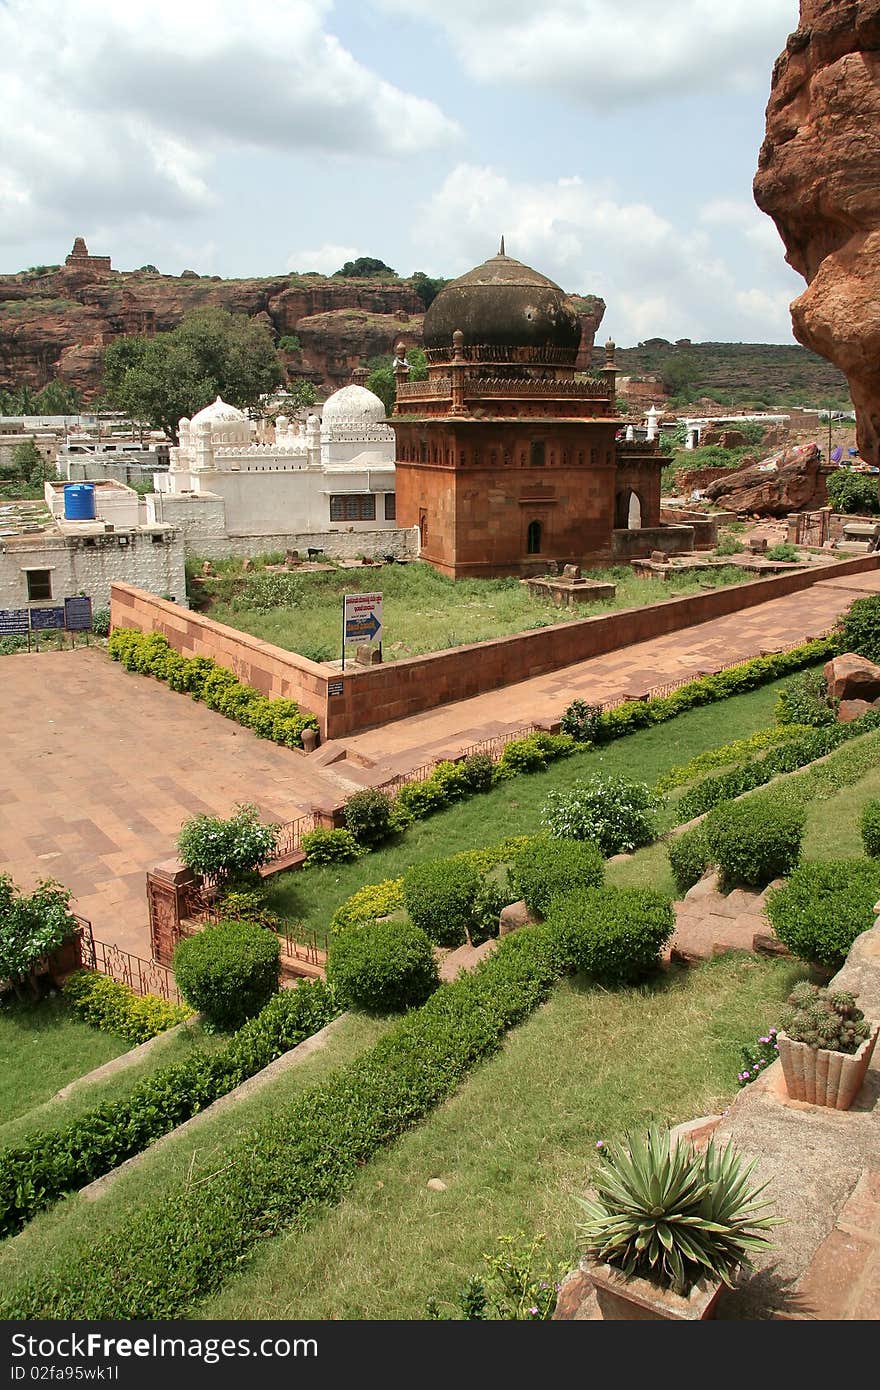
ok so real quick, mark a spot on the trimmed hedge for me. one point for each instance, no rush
(228, 971)
(369, 817)
(35, 1174)
(151, 654)
(859, 629)
(788, 757)
(735, 752)
(614, 935)
(114, 1008)
(544, 869)
(439, 896)
(689, 857)
(179, 1249)
(823, 908)
(755, 840)
(384, 968)
(329, 846)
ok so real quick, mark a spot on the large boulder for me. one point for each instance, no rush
(790, 481)
(819, 179)
(852, 677)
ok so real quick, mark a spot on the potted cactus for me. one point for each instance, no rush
(826, 1047)
(667, 1227)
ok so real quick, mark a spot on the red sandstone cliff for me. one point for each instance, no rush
(819, 179)
(58, 324)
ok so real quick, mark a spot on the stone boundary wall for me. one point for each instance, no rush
(376, 695)
(336, 545)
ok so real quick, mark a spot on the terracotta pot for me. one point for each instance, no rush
(821, 1077)
(638, 1300)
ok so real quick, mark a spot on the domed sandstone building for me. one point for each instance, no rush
(507, 457)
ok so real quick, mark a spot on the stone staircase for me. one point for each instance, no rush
(708, 923)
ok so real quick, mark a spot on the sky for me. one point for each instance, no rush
(612, 142)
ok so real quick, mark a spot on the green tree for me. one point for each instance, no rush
(679, 374)
(211, 352)
(29, 465)
(301, 392)
(361, 268)
(427, 287)
(58, 399)
(289, 343)
(381, 380)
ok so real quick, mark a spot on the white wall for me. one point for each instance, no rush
(158, 567)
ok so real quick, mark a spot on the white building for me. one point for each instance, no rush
(334, 474)
(47, 559)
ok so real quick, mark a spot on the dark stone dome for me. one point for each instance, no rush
(503, 303)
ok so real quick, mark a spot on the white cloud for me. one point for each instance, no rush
(129, 107)
(657, 279)
(325, 259)
(612, 52)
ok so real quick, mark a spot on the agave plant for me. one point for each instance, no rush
(673, 1216)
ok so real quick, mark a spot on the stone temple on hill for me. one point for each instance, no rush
(507, 457)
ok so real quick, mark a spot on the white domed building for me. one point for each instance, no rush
(335, 473)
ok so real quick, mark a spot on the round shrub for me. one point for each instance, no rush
(477, 772)
(805, 700)
(860, 628)
(616, 814)
(225, 849)
(689, 857)
(869, 825)
(755, 840)
(439, 896)
(329, 846)
(544, 869)
(228, 971)
(613, 935)
(823, 908)
(384, 967)
(369, 816)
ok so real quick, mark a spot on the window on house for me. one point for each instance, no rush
(39, 584)
(533, 542)
(356, 506)
(390, 506)
(537, 458)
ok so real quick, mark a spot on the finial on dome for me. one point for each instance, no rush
(502, 252)
(457, 344)
(610, 348)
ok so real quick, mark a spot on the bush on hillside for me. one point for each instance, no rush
(581, 721)
(616, 814)
(533, 753)
(614, 935)
(228, 971)
(869, 826)
(385, 968)
(805, 700)
(853, 493)
(544, 869)
(755, 840)
(439, 896)
(859, 630)
(369, 816)
(689, 857)
(226, 849)
(329, 846)
(114, 1008)
(823, 908)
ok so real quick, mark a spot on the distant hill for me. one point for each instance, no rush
(775, 374)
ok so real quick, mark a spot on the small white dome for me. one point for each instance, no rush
(352, 406)
(218, 412)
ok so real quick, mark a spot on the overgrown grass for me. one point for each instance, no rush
(310, 898)
(181, 1160)
(53, 1114)
(832, 830)
(423, 610)
(44, 1046)
(516, 1143)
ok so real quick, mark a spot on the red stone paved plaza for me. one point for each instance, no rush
(99, 768)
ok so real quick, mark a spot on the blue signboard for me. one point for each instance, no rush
(78, 614)
(13, 620)
(42, 619)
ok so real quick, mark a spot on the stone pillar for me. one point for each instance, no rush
(401, 372)
(630, 434)
(610, 370)
(457, 370)
(652, 417)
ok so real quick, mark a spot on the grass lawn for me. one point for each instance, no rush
(52, 1114)
(423, 610)
(42, 1047)
(516, 1143)
(181, 1159)
(513, 808)
(832, 830)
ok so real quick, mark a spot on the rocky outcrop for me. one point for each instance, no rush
(819, 179)
(57, 324)
(852, 677)
(791, 481)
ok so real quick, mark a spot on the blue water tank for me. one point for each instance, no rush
(79, 502)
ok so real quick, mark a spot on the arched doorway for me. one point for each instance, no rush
(423, 528)
(533, 538)
(628, 510)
